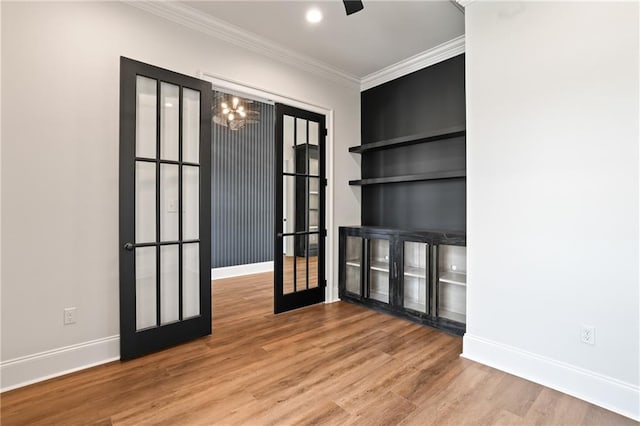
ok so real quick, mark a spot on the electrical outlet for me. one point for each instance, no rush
(70, 316)
(588, 334)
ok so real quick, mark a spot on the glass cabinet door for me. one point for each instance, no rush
(353, 275)
(379, 270)
(452, 283)
(415, 276)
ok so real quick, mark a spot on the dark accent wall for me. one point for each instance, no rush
(242, 175)
(427, 100)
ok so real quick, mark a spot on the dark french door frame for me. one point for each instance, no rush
(285, 302)
(135, 343)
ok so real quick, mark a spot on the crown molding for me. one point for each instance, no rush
(464, 3)
(191, 18)
(417, 62)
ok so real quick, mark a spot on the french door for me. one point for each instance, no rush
(165, 203)
(299, 278)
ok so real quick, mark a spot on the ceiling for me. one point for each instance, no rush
(382, 34)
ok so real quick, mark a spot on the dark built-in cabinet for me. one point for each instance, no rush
(420, 275)
(413, 176)
(307, 198)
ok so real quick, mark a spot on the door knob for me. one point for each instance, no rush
(128, 246)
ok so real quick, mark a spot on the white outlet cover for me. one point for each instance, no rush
(588, 334)
(70, 315)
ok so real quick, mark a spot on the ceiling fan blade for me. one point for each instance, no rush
(352, 6)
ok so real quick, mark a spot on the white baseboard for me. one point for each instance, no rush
(23, 371)
(607, 392)
(238, 270)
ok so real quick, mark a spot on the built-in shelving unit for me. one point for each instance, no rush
(447, 174)
(413, 150)
(425, 137)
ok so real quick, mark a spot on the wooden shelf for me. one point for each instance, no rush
(447, 174)
(452, 132)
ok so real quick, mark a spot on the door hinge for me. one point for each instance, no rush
(325, 182)
(325, 132)
(324, 232)
(324, 283)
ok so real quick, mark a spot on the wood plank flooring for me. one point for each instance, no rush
(336, 364)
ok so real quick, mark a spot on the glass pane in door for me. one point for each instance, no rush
(190, 280)
(288, 204)
(190, 126)
(301, 131)
(313, 133)
(287, 264)
(379, 270)
(190, 203)
(146, 117)
(145, 204)
(169, 290)
(313, 261)
(301, 262)
(415, 276)
(313, 197)
(169, 119)
(145, 287)
(288, 145)
(353, 257)
(168, 202)
(452, 282)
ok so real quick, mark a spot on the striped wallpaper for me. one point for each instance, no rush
(242, 211)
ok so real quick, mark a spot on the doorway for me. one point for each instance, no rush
(165, 201)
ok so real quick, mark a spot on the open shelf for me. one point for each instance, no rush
(433, 136)
(353, 264)
(447, 174)
(456, 278)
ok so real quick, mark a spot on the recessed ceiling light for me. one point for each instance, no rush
(314, 15)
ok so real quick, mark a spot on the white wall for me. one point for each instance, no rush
(552, 187)
(60, 80)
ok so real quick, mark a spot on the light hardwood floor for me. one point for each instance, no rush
(327, 364)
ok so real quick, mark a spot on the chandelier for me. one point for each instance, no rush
(234, 112)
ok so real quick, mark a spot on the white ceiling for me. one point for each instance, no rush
(382, 34)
